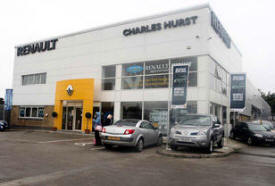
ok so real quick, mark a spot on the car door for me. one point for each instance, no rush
(145, 132)
(245, 132)
(149, 132)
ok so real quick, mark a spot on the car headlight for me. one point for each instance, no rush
(258, 135)
(202, 133)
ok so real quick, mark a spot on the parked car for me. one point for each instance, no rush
(3, 125)
(132, 133)
(202, 131)
(253, 133)
(266, 124)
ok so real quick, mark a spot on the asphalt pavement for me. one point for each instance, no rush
(41, 158)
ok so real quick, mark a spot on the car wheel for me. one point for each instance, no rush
(221, 143)
(2, 128)
(108, 146)
(210, 146)
(139, 146)
(159, 143)
(173, 147)
(249, 141)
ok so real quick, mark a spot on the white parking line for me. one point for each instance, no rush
(66, 140)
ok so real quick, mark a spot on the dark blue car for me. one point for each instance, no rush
(3, 125)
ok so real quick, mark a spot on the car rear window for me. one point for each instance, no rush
(128, 122)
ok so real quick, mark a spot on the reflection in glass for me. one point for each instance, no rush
(132, 82)
(131, 110)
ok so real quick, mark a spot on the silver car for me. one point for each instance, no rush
(203, 131)
(132, 133)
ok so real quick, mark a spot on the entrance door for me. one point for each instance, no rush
(72, 118)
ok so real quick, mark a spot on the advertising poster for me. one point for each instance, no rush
(179, 86)
(159, 117)
(8, 99)
(238, 86)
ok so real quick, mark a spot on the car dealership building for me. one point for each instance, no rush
(125, 69)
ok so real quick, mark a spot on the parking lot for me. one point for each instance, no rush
(29, 157)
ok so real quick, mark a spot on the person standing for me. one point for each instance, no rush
(109, 120)
(96, 126)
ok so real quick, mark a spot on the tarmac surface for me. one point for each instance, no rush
(30, 157)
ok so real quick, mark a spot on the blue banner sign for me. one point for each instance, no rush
(238, 86)
(134, 69)
(179, 86)
(8, 99)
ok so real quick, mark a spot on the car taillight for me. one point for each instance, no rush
(103, 130)
(129, 131)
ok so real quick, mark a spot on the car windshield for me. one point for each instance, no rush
(195, 120)
(256, 128)
(127, 122)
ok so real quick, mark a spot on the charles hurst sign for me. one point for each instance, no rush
(37, 47)
(159, 26)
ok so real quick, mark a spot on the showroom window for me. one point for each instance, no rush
(132, 76)
(192, 107)
(193, 77)
(33, 79)
(108, 77)
(31, 112)
(157, 113)
(157, 74)
(131, 110)
(218, 78)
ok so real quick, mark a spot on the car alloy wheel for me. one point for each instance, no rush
(139, 146)
(249, 141)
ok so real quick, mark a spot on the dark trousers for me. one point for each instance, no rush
(97, 138)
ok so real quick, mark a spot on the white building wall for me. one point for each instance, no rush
(82, 55)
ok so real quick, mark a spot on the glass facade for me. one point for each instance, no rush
(219, 81)
(131, 110)
(33, 79)
(31, 112)
(108, 77)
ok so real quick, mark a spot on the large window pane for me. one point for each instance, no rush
(28, 112)
(43, 78)
(157, 81)
(132, 82)
(133, 69)
(131, 110)
(22, 111)
(34, 112)
(109, 71)
(106, 109)
(157, 113)
(192, 60)
(157, 67)
(41, 112)
(108, 84)
(192, 79)
(192, 107)
(37, 78)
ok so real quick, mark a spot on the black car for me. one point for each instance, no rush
(3, 125)
(253, 133)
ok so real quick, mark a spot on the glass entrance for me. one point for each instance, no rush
(72, 118)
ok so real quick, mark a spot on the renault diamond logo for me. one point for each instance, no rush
(70, 90)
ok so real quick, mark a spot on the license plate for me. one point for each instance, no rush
(113, 138)
(186, 139)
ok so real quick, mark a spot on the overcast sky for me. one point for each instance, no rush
(249, 23)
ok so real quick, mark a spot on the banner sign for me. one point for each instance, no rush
(238, 86)
(8, 99)
(179, 86)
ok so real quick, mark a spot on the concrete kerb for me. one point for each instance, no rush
(229, 148)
